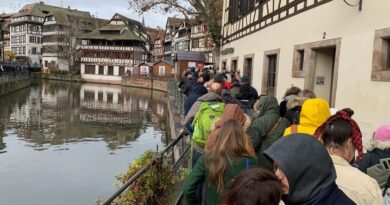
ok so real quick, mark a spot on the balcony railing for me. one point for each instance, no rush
(107, 60)
(114, 48)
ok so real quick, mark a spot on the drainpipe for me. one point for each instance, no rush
(2, 39)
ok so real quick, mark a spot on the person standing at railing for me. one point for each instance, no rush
(233, 152)
(201, 118)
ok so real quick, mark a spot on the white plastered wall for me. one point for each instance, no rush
(369, 99)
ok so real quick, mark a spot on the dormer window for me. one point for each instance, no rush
(45, 12)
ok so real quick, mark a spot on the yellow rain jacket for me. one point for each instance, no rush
(314, 113)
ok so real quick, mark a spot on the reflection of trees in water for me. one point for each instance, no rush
(53, 113)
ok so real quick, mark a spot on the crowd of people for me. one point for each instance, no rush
(249, 149)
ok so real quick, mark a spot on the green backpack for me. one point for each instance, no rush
(208, 114)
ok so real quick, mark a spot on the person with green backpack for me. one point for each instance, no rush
(202, 116)
(204, 122)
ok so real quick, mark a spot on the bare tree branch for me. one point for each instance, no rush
(208, 12)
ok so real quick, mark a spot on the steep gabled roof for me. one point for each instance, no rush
(127, 31)
(161, 34)
(153, 33)
(172, 21)
(42, 10)
(127, 19)
(125, 35)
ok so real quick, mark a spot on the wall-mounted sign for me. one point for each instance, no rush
(320, 80)
(227, 51)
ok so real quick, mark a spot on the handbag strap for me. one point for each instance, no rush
(273, 127)
(294, 129)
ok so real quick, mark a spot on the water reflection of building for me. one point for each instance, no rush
(109, 104)
(18, 99)
(56, 113)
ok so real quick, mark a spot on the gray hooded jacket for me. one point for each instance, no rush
(306, 164)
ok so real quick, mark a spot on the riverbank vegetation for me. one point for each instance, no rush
(153, 187)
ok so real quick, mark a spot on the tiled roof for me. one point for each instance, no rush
(172, 21)
(148, 64)
(190, 56)
(153, 33)
(42, 10)
(161, 34)
(128, 31)
(169, 63)
(110, 27)
(125, 35)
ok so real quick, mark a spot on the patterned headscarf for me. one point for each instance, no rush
(345, 114)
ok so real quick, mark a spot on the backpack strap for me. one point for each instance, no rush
(387, 185)
(294, 129)
(273, 127)
(247, 163)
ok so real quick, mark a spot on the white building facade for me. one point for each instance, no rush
(338, 51)
(26, 37)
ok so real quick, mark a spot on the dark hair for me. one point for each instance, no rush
(337, 132)
(206, 77)
(254, 187)
(292, 91)
(219, 78)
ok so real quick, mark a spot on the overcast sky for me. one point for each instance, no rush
(101, 8)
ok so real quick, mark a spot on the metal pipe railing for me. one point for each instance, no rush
(145, 168)
(127, 184)
(178, 100)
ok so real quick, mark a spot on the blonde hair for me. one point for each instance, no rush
(232, 143)
(307, 94)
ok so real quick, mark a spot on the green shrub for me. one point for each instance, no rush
(153, 187)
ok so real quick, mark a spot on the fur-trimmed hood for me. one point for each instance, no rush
(381, 139)
(375, 144)
(295, 102)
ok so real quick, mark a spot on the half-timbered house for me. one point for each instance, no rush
(337, 48)
(113, 50)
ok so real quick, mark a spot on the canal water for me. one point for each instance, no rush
(63, 143)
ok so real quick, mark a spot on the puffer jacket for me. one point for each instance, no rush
(313, 114)
(262, 122)
(375, 163)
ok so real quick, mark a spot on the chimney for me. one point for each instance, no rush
(69, 7)
(41, 2)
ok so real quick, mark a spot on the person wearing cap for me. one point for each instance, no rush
(342, 138)
(188, 85)
(306, 172)
(247, 93)
(375, 162)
